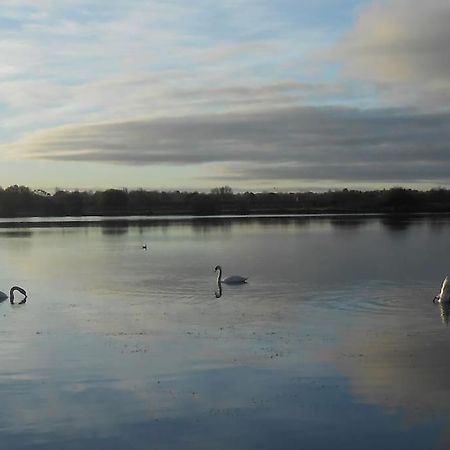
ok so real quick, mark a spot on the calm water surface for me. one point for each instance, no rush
(333, 343)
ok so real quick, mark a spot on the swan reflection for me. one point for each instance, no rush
(445, 312)
(218, 291)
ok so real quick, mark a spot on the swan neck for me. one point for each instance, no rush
(219, 275)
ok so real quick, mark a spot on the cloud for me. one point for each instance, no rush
(152, 82)
(327, 143)
(37, 104)
(404, 47)
(75, 61)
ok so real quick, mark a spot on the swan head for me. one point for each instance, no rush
(217, 268)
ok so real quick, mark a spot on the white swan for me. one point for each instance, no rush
(444, 295)
(4, 296)
(233, 279)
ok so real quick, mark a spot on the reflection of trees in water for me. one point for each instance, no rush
(345, 222)
(438, 223)
(144, 225)
(111, 226)
(225, 224)
(116, 227)
(117, 231)
(398, 223)
(16, 233)
(203, 225)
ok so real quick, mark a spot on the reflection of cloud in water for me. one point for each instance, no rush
(403, 368)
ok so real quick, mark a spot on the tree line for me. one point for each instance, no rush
(21, 201)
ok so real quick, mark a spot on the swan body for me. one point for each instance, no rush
(4, 296)
(444, 294)
(233, 279)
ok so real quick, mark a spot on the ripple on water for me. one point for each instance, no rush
(378, 298)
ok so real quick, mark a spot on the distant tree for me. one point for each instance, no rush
(21, 201)
(204, 204)
(17, 200)
(399, 199)
(114, 200)
(223, 190)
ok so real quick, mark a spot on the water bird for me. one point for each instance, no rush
(233, 279)
(144, 246)
(444, 295)
(4, 296)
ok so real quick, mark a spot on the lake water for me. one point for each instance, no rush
(333, 343)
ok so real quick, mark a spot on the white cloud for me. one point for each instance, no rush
(74, 62)
(404, 47)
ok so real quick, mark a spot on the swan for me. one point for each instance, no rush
(4, 296)
(444, 295)
(233, 279)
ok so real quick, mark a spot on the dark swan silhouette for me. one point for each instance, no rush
(4, 296)
(233, 279)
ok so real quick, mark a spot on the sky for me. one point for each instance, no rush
(254, 94)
